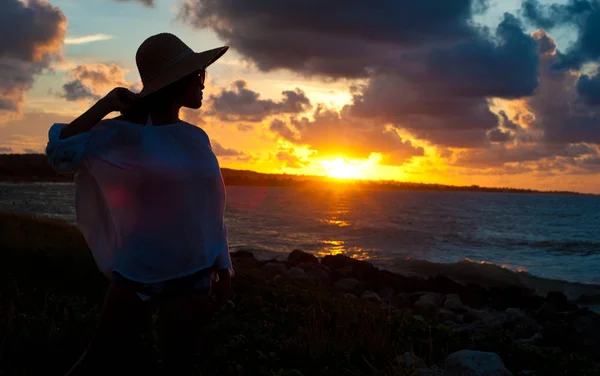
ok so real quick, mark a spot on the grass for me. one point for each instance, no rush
(51, 292)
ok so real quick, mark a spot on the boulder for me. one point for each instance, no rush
(297, 274)
(428, 304)
(475, 363)
(274, 268)
(560, 301)
(448, 316)
(444, 285)
(318, 275)
(386, 293)
(350, 285)
(361, 270)
(410, 362)
(400, 300)
(298, 257)
(518, 321)
(370, 295)
(453, 303)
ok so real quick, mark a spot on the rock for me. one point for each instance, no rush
(400, 300)
(475, 363)
(428, 304)
(449, 316)
(523, 325)
(318, 275)
(298, 257)
(473, 315)
(444, 285)
(361, 270)
(350, 285)
(512, 297)
(535, 339)
(474, 296)
(370, 295)
(453, 303)
(297, 274)
(242, 253)
(410, 362)
(386, 293)
(559, 300)
(274, 268)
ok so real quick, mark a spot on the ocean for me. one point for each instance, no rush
(546, 241)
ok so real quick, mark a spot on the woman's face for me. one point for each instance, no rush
(191, 96)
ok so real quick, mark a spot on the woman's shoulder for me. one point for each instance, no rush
(196, 130)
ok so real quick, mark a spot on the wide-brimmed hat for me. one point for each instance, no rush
(163, 59)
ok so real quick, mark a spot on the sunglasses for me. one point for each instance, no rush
(202, 75)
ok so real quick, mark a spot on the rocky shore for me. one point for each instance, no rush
(301, 316)
(549, 323)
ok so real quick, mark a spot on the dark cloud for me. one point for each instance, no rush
(431, 70)
(583, 15)
(333, 134)
(558, 111)
(588, 88)
(95, 80)
(76, 90)
(148, 3)
(4, 149)
(33, 33)
(337, 38)
(498, 135)
(290, 159)
(243, 104)
(427, 113)
(221, 151)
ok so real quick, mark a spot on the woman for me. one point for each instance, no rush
(150, 200)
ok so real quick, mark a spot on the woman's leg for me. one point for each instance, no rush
(115, 343)
(181, 320)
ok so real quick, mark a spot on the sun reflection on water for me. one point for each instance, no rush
(338, 247)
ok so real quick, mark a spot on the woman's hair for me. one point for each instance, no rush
(138, 113)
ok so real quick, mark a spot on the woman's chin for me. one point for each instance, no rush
(194, 106)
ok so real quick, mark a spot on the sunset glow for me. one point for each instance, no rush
(341, 169)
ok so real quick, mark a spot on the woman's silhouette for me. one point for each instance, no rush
(150, 201)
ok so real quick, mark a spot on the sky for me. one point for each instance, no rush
(464, 92)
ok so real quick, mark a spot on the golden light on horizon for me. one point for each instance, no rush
(340, 168)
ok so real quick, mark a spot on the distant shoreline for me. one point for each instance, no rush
(33, 168)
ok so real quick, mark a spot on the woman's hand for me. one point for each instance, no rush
(222, 288)
(119, 99)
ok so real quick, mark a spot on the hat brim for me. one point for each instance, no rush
(186, 66)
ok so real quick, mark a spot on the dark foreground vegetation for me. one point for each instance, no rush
(303, 316)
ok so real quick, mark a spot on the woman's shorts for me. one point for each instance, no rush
(197, 283)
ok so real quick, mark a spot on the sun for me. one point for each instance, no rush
(341, 169)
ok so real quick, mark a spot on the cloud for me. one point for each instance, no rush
(221, 151)
(559, 112)
(588, 88)
(290, 159)
(555, 130)
(430, 73)
(333, 134)
(148, 3)
(583, 15)
(243, 104)
(336, 38)
(33, 36)
(5, 150)
(93, 81)
(88, 38)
